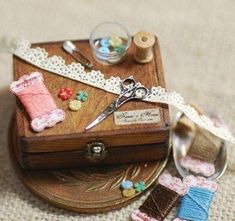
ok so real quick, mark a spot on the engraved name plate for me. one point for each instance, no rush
(147, 116)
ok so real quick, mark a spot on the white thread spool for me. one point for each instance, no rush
(144, 42)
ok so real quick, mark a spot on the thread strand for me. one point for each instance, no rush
(196, 204)
(37, 100)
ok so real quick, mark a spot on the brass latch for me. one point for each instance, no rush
(96, 151)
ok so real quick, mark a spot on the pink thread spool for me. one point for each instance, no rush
(37, 101)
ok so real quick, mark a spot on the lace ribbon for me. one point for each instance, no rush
(75, 71)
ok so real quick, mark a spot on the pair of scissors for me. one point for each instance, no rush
(129, 91)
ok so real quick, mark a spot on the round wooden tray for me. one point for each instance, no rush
(86, 190)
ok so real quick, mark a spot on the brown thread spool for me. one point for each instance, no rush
(160, 202)
(205, 146)
(144, 42)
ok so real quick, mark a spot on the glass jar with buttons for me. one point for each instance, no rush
(109, 42)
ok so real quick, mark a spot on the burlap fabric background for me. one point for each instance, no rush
(198, 49)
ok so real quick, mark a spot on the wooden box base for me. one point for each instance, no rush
(89, 189)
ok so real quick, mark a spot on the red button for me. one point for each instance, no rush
(65, 93)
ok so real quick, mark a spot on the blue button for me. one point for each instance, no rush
(126, 184)
(104, 50)
(105, 42)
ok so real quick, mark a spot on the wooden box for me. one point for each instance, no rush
(67, 144)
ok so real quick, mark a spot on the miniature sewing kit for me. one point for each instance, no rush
(98, 110)
(137, 131)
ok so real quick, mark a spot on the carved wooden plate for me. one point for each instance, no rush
(90, 189)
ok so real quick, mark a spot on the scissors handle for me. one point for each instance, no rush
(135, 93)
(127, 84)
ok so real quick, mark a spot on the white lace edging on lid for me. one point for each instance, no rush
(75, 71)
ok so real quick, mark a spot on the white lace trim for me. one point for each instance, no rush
(55, 64)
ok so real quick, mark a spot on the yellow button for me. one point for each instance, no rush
(75, 105)
(128, 192)
(115, 41)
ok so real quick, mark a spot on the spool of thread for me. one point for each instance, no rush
(205, 146)
(196, 203)
(37, 101)
(161, 200)
(202, 153)
(144, 42)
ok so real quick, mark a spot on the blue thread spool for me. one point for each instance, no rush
(195, 204)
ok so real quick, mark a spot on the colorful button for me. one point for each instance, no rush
(82, 96)
(65, 93)
(128, 192)
(120, 49)
(115, 41)
(75, 105)
(139, 187)
(105, 42)
(126, 184)
(104, 50)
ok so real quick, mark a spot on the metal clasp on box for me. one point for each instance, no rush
(96, 151)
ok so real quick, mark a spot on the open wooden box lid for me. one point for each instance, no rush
(70, 135)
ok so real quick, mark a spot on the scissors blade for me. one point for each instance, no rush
(109, 110)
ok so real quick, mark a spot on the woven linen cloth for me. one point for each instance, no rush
(198, 50)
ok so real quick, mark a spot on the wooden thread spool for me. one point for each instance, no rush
(205, 146)
(144, 42)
